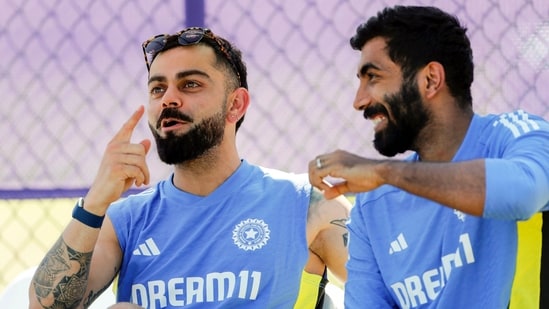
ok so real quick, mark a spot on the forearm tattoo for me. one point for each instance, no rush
(342, 223)
(61, 278)
(94, 295)
(316, 198)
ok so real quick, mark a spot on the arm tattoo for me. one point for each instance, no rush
(62, 276)
(316, 198)
(94, 295)
(341, 223)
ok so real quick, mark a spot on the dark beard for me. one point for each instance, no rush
(410, 117)
(202, 136)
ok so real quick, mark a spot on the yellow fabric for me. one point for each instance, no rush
(526, 286)
(115, 285)
(308, 291)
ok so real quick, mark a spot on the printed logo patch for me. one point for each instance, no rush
(147, 248)
(398, 245)
(251, 234)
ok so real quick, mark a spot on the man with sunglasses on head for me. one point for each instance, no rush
(220, 232)
(439, 228)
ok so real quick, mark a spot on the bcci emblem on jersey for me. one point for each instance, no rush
(251, 234)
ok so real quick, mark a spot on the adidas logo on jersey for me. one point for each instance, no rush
(147, 248)
(398, 245)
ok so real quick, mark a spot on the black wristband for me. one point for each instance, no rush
(82, 215)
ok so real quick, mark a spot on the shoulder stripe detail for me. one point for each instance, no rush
(517, 122)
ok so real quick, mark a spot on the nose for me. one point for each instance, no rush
(171, 98)
(362, 97)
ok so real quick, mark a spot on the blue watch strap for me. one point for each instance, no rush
(89, 219)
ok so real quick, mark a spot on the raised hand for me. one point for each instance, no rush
(341, 172)
(123, 164)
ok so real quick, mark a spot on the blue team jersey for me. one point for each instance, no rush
(410, 252)
(242, 246)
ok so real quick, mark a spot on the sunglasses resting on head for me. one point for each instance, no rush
(186, 37)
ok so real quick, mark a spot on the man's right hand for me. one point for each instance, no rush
(123, 164)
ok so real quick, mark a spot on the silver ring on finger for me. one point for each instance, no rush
(318, 163)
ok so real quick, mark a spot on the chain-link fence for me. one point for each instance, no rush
(72, 72)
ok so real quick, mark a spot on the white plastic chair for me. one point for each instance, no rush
(16, 294)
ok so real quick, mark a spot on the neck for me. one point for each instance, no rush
(440, 140)
(203, 175)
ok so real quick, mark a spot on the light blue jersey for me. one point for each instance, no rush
(242, 246)
(409, 252)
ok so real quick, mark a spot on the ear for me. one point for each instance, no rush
(433, 79)
(238, 104)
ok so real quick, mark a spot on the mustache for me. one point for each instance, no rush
(173, 113)
(373, 110)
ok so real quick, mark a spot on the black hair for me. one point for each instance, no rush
(235, 67)
(417, 35)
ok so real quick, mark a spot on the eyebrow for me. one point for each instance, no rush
(179, 75)
(365, 68)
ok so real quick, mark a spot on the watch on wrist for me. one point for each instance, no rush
(82, 215)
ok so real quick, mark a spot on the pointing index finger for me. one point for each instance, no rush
(125, 133)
